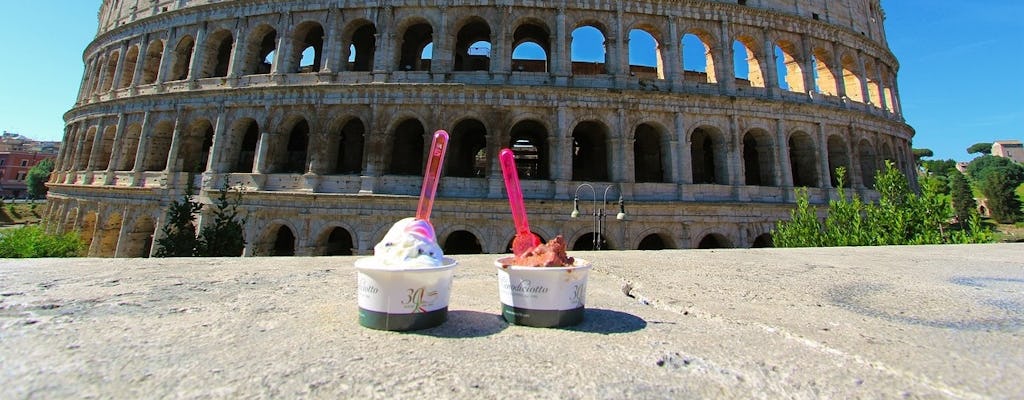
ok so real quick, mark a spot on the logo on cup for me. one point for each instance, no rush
(577, 294)
(419, 299)
(368, 289)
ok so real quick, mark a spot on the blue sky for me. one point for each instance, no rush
(960, 79)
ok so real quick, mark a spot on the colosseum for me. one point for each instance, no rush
(691, 120)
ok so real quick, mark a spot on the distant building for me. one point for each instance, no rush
(18, 154)
(1012, 149)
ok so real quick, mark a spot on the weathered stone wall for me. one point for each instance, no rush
(328, 145)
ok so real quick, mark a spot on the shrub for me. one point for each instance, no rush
(33, 242)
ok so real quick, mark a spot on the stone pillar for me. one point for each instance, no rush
(726, 71)
(863, 73)
(384, 40)
(238, 52)
(771, 69)
(140, 62)
(332, 44)
(198, 56)
(97, 143)
(122, 234)
(441, 58)
(809, 66)
(785, 166)
(837, 72)
(826, 176)
(262, 152)
(175, 148)
(143, 148)
(220, 139)
(561, 159)
(672, 57)
(685, 164)
(734, 153)
(119, 69)
(561, 62)
(622, 154)
(117, 150)
(166, 57)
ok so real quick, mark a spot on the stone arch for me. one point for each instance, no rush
(108, 234)
(109, 70)
(530, 38)
(868, 162)
(242, 157)
(467, 150)
(472, 46)
(307, 55)
(758, 158)
(838, 156)
(825, 80)
(644, 45)
(69, 223)
(749, 58)
(336, 241)
(96, 80)
(106, 147)
(585, 242)
(588, 50)
(194, 150)
(288, 152)
(360, 39)
(217, 54)
(182, 58)
(278, 239)
(151, 66)
(790, 66)
(874, 86)
(82, 159)
(346, 143)
(714, 241)
(708, 156)
(763, 240)
(528, 140)
(590, 151)
(699, 56)
(649, 147)
(462, 242)
(260, 50)
(851, 78)
(139, 239)
(159, 146)
(407, 147)
(128, 147)
(88, 227)
(131, 58)
(416, 36)
(655, 240)
(803, 159)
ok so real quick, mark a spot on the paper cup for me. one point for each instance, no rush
(546, 297)
(403, 299)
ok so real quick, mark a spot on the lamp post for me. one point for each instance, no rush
(599, 213)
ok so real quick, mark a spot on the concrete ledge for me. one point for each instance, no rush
(881, 322)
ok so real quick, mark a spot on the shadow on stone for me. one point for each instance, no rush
(465, 324)
(597, 320)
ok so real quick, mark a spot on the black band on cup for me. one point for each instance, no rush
(402, 322)
(542, 318)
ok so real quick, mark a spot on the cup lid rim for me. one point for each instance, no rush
(503, 263)
(370, 264)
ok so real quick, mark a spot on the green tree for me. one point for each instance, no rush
(980, 167)
(37, 177)
(803, 228)
(999, 189)
(33, 242)
(921, 153)
(225, 236)
(179, 232)
(964, 205)
(983, 148)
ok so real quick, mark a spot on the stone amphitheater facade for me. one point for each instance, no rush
(320, 110)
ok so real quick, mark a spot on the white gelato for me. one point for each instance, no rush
(409, 243)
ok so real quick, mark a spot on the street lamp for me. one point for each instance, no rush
(599, 213)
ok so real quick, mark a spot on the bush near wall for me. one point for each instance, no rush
(33, 242)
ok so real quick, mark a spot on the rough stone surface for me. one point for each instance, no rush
(920, 322)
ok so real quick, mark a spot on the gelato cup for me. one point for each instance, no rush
(403, 298)
(545, 297)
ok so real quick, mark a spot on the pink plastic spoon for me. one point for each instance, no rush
(524, 239)
(432, 175)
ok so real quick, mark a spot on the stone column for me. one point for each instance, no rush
(684, 165)
(238, 52)
(220, 139)
(864, 87)
(97, 143)
(119, 69)
(726, 71)
(826, 176)
(384, 40)
(175, 148)
(624, 150)
(672, 57)
(166, 57)
(809, 66)
(262, 152)
(118, 148)
(771, 70)
(561, 159)
(198, 56)
(441, 58)
(332, 44)
(561, 62)
(735, 155)
(140, 62)
(141, 151)
(785, 168)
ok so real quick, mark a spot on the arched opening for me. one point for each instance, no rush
(106, 148)
(350, 148)
(508, 245)
(82, 159)
(824, 79)
(259, 56)
(647, 155)
(284, 242)
(868, 163)
(714, 241)
(746, 62)
(758, 158)
(707, 155)
(698, 58)
(151, 66)
(473, 47)
(531, 47)
(309, 48)
(529, 144)
(339, 243)
(652, 242)
(874, 89)
(645, 55)
(838, 157)
(587, 51)
(468, 140)
(851, 80)
(139, 241)
(589, 152)
(462, 242)
(109, 232)
(361, 47)
(159, 146)
(128, 147)
(791, 74)
(88, 228)
(407, 149)
(218, 54)
(586, 242)
(414, 42)
(182, 58)
(764, 240)
(131, 59)
(249, 131)
(298, 143)
(108, 76)
(803, 160)
(195, 146)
